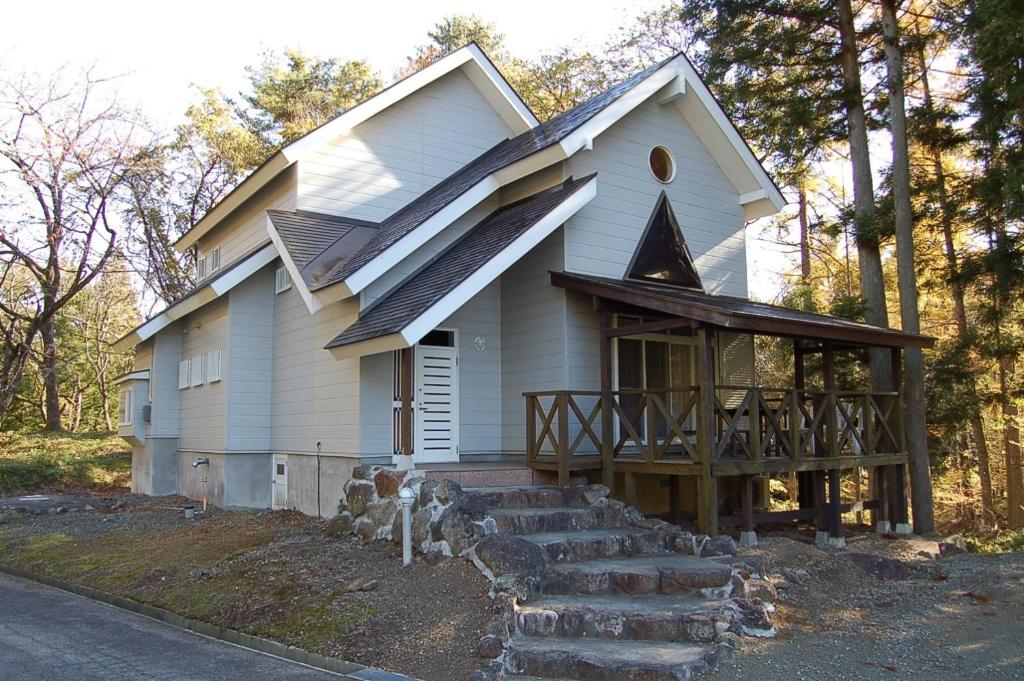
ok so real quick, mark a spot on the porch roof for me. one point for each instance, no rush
(738, 314)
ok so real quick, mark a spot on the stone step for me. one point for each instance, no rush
(544, 520)
(577, 545)
(595, 660)
(532, 496)
(652, 618)
(668, 574)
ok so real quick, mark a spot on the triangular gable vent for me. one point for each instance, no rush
(662, 256)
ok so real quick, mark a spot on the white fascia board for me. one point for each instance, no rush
(393, 341)
(312, 302)
(207, 294)
(127, 342)
(640, 92)
(132, 376)
(732, 136)
(493, 268)
(498, 93)
(429, 228)
(249, 186)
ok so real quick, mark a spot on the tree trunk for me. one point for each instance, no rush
(913, 384)
(805, 246)
(872, 282)
(1011, 447)
(956, 293)
(48, 365)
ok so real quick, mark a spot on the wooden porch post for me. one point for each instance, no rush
(835, 518)
(607, 413)
(707, 485)
(804, 479)
(748, 536)
(405, 387)
(899, 488)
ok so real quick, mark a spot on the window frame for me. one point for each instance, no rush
(673, 167)
(184, 374)
(125, 406)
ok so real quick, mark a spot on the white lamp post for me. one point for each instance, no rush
(405, 497)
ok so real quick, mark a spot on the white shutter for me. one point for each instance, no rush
(183, 374)
(282, 280)
(126, 407)
(214, 259)
(197, 370)
(201, 268)
(213, 365)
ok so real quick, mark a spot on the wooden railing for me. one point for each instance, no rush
(570, 429)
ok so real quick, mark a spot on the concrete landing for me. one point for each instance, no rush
(585, 660)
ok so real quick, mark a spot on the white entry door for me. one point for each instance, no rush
(437, 404)
(279, 483)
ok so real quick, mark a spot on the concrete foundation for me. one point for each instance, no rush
(821, 538)
(235, 480)
(883, 527)
(155, 467)
(837, 542)
(904, 529)
(315, 483)
(748, 538)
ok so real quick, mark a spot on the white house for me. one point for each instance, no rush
(394, 282)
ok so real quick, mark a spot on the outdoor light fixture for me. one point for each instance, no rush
(405, 497)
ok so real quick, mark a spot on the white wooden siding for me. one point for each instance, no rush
(533, 335)
(248, 371)
(163, 380)
(479, 370)
(392, 158)
(601, 238)
(315, 397)
(246, 228)
(202, 406)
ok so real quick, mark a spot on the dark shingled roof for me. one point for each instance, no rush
(499, 156)
(737, 313)
(316, 241)
(442, 274)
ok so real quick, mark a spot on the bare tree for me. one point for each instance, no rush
(65, 150)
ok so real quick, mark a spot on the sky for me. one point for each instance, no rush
(161, 50)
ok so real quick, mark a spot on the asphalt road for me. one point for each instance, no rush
(50, 634)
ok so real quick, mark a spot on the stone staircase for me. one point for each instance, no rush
(594, 591)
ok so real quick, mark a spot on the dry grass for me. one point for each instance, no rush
(97, 462)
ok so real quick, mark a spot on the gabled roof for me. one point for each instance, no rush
(738, 314)
(446, 282)
(478, 68)
(313, 239)
(501, 155)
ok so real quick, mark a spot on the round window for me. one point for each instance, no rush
(662, 164)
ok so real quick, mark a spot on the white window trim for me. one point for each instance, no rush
(125, 407)
(184, 374)
(213, 258)
(214, 365)
(282, 280)
(197, 374)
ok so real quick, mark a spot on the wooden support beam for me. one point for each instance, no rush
(820, 514)
(563, 439)
(405, 389)
(747, 496)
(707, 487)
(804, 480)
(607, 414)
(801, 514)
(835, 511)
(630, 483)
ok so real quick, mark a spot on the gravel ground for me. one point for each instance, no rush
(275, 574)
(955, 617)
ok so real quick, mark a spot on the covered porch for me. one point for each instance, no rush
(669, 405)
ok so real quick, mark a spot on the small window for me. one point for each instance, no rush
(125, 408)
(183, 374)
(197, 370)
(213, 365)
(662, 164)
(214, 260)
(201, 268)
(282, 280)
(439, 338)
